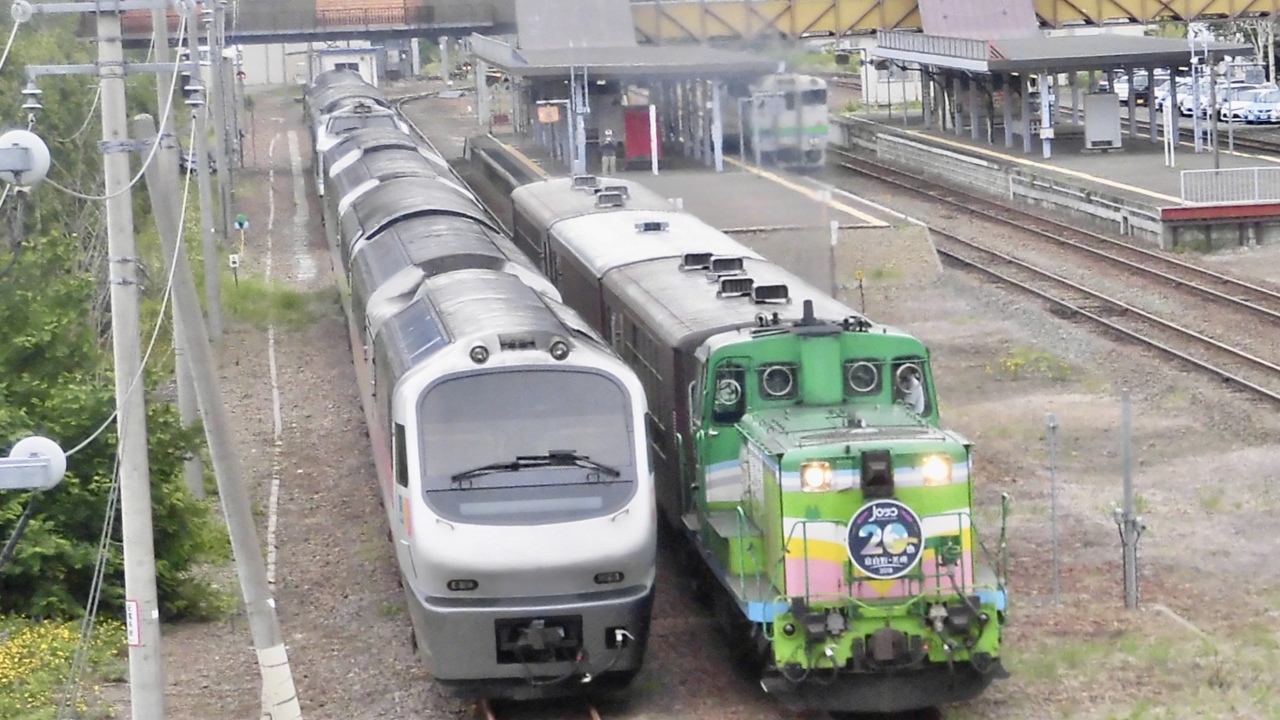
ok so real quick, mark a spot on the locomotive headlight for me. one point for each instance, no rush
(936, 470)
(479, 354)
(815, 476)
(559, 349)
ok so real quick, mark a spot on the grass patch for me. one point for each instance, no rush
(35, 661)
(1023, 363)
(262, 304)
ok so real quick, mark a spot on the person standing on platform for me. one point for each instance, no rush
(608, 154)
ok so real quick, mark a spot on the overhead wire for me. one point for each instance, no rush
(9, 44)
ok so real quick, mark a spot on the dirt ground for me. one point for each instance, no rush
(1203, 644)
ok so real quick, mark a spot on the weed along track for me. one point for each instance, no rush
(1203, 318)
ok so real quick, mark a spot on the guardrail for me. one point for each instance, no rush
(1231, 186)
(934, 45)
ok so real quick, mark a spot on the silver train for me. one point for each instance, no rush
(509, 440)
(339, 102)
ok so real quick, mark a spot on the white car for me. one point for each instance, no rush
(1233, 108)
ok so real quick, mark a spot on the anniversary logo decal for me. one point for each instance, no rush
(885, 540)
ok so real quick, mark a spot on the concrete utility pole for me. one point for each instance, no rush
(199, 115)
(218, 97)
(142, 613)
(167, 222)
(279, 694)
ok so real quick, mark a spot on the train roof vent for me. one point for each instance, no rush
(649, 226)
(696, 261)
(583, 182)
(517, 341)
(735, 287)
(776, 292)
(620, 189)
(610, 199)
(726, 266)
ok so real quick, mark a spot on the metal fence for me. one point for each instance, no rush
(1231, 186)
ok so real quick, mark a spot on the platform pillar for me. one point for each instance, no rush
(704, 109)
(717, 127)
(961, 87)
(1074, 82)
(1046, 118)
(1152, 121)
(926, 98)
(1024, 113)
(1007, 87)
(482, 92)
(1133, 105)
(974, 92)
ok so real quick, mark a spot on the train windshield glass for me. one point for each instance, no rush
(526, 447)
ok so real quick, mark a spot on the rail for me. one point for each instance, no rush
(1231, 186)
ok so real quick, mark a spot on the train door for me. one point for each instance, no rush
(402, 503)
(719, 442)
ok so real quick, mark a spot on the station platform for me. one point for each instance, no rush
(784, 217)
(1130, 190)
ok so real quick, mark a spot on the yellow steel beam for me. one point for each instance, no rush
(700, 20)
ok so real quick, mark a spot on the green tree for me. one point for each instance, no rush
(55, 360)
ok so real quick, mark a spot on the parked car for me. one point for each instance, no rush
(1265, 109)
(1233, 108)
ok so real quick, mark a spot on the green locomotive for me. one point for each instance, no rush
(800, 452)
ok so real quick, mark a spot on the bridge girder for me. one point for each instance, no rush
(696, 20)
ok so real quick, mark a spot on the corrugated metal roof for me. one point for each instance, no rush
(685, 61)
(985, 19)
(1037, 54)
(547, 24)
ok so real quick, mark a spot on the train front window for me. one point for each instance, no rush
(814, 97)
(527, 447)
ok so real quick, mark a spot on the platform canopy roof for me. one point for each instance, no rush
(600, 36)
(1040, 54)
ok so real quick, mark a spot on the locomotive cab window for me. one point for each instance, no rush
(729, 395)
(863, 377)
(910, 384)
(778, 381)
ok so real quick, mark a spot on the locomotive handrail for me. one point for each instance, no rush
(966, 565)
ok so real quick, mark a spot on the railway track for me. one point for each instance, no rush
(1070, 299)
(579, 709)
(1240, 294)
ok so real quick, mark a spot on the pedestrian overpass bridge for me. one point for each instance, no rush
(665, 21)
(702, 20)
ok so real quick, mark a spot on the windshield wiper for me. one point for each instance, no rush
(570, 457)
(552, 458)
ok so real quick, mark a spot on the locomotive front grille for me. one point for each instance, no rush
(538, 640)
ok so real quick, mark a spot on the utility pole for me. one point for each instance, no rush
(199, 115)
(279, 694)
(142, 613)
(167, 221)
(218, 100)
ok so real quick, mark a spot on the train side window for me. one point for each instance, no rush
(863, 377)
(910, 384)
(730, 393)
(401, 456)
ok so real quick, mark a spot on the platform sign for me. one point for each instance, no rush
(548, 113)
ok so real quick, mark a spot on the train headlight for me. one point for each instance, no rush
(813, 142)
(559, 349)
(936, 470)
(462, 585)
(815, 476)
(479, 354)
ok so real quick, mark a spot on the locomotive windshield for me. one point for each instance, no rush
(342, 125)
(491, 456)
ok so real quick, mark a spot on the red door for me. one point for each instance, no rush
(635, 122)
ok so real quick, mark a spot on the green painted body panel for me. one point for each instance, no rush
(750, 460)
